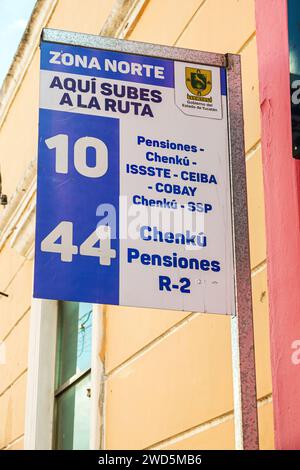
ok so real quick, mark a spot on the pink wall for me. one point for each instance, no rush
(282, 201)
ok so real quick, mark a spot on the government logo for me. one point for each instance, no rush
(198, 81)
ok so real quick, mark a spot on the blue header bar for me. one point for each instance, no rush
(107, 64)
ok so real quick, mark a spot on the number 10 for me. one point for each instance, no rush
(60, 143)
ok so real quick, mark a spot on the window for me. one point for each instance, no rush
(73, 376)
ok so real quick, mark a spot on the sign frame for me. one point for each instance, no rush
(242, 332)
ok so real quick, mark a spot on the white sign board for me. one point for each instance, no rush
(134, 197)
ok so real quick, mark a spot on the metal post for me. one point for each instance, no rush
(242, 336)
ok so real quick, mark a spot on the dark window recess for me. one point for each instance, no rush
(294, 52)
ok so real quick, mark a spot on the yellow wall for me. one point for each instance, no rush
(169, 378)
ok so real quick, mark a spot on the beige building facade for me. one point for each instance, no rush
(150, 378)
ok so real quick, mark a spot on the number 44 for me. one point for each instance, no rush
(60, 240)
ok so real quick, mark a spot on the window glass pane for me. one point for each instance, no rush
(74, 340)
(73, 416)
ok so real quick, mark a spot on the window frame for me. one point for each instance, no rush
(40, 397)
(71, 381)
